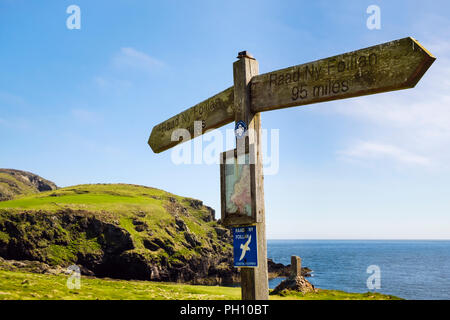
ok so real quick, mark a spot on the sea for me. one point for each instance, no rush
(409, 269)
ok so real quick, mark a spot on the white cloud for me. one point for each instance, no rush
(410, 126)
(85, 116)
(109, 83)
(15, 123)
(11, 99)
(132, 58)
(368, 150)
(125, 66)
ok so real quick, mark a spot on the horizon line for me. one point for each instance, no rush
(357, 239)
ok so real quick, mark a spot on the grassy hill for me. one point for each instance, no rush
(118, 230)
(15, 183)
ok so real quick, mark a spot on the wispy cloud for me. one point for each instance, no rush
(85, 116)
(406, 125)
(131, 58)
(124, 67)
(11, 99)
(15, 123)
(110, 83)
(368, 150)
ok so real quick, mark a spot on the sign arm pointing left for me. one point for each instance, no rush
(212, 113)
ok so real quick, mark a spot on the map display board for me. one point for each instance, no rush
(237, 182)
(238, 185)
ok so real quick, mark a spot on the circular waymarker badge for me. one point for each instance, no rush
(240, 129)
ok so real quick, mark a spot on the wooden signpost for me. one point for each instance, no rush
(387, 67)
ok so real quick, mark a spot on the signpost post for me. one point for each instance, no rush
(254, 281)
(386, 67)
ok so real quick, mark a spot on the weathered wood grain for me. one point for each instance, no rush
(212, 113)
(386, 67)
(254, 281)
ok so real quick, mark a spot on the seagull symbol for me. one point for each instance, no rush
(245, 248)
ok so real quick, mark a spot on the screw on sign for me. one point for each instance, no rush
(390, 66)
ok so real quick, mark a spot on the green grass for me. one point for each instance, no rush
(60, 254)
(124, 201)
(93, 198)
(322, 294)
(127, 206)
(30, 286)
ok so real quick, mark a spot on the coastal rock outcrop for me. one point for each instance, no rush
(17, 182)
(296, 281)
(104, 249)
(279, 270)
(118, 231)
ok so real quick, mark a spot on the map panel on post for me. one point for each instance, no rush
(237, 188)
(386, 67)
(238, 198)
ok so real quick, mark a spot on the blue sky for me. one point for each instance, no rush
(77, 106)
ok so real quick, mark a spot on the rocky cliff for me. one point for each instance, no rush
(16, 182)
(119, 231)
(114, 230)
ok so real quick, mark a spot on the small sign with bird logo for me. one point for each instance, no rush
(245, 247)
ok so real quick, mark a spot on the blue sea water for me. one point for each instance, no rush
(410, 269)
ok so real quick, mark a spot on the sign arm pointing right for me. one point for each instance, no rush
(391, 66)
